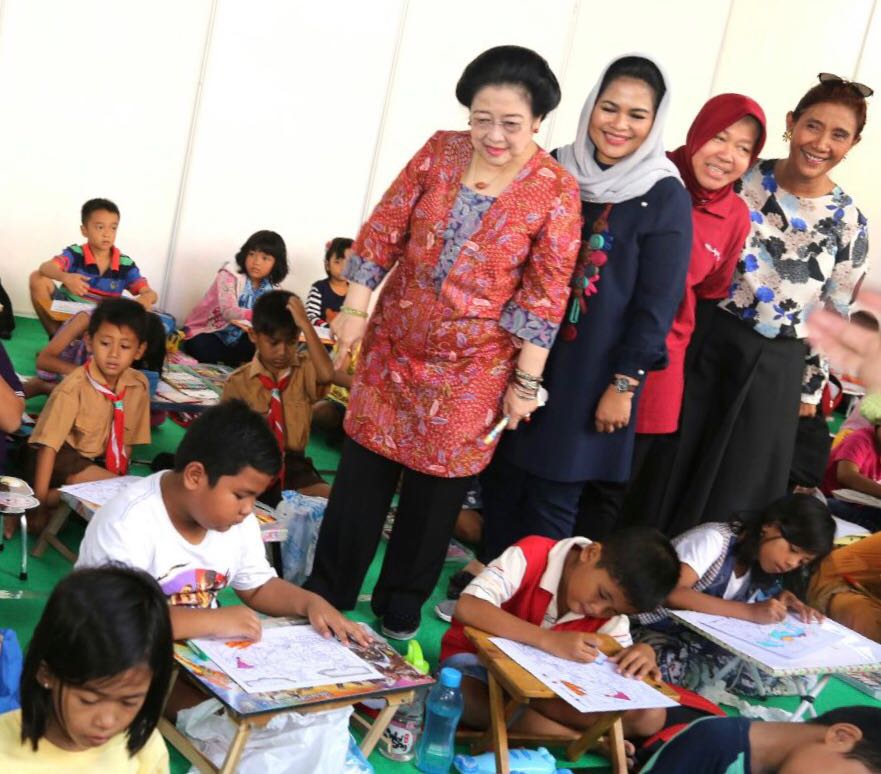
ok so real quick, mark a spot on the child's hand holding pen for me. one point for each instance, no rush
(575, 646)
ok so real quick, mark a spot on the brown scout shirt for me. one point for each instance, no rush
(78, 414)
(297, 399)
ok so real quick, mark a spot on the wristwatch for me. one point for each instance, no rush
(623, 384)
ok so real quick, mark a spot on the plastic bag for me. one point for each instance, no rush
(355, 762)
(10, 669)
(290, 743)
(302, 516)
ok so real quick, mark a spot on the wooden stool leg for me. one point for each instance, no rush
(236, 748)
(617, 753)
(48, 535)
(497, 722)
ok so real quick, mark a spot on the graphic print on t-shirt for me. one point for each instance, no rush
(192, 587)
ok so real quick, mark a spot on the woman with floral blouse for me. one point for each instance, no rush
(482, 229)
(755, 373)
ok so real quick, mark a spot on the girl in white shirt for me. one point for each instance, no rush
(736, 569)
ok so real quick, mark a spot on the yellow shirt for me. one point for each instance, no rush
(112, 757)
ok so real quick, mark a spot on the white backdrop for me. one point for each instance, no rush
(206, 120)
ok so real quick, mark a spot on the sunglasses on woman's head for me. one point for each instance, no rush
(859, 88)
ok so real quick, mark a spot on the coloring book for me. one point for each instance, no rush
(287, 657)
(595, 687)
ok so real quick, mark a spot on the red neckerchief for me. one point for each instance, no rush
(116, 458)
(276, 411)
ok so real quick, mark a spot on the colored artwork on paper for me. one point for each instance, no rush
(790, 638)
(287, 658)
(595, 687)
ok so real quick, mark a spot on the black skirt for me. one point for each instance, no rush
(737, 430)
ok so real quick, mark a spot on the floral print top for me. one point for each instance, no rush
(800, 252)
(441, 344)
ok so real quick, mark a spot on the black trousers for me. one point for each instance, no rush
(359, 501)
(209, 348)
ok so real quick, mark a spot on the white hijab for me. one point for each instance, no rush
(633, 175)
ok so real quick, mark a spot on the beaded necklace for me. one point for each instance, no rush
(591, 258)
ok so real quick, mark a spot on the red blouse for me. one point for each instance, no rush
(719, 232)
(435, 363)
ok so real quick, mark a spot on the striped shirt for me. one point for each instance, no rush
(122, 274)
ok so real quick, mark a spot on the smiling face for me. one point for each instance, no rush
(502, 124)
(100, 230)
(229, 502)
(587, 589)
(90, 715)
(821, 137)
(725, 157)
(777, 555)
(621, 119)
(114, 348)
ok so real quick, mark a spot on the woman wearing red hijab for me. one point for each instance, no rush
(722, 143)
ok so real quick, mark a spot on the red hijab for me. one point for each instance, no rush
(717, 114)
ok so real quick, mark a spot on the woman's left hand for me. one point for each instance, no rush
(805, 613)
(516, 408)
(613, 411)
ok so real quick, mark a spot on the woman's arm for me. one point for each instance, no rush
(49, 358)
(11, 407)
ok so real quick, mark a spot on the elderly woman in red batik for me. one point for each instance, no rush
(482, 229)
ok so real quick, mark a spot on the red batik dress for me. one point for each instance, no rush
(438, 354)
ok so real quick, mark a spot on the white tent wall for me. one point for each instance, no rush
(207, 120)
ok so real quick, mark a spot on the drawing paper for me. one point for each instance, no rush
(100, 492)
(845, 651)
(595, 687)
(287, 657)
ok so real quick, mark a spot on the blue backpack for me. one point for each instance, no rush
(10, 671)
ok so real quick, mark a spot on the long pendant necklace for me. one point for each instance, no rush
(592, 256)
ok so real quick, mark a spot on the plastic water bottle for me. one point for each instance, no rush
(443, 710)
(403, 731)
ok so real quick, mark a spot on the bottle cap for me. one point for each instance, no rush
(450, 678)
(415, 658)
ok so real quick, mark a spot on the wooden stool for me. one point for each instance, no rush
(507, 677)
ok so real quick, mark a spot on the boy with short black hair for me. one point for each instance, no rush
(281, 383)
(93, 271)
(193, 529)
(844, 741)
(98, 412)
(559, 595)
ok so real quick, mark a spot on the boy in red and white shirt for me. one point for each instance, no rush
(559, 596)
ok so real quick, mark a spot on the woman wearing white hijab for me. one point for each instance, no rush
(626, 288)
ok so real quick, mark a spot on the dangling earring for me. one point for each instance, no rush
(787, 136)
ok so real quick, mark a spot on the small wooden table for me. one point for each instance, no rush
(506, 676)
(250, 711)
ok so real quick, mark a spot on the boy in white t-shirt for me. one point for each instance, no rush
(193, 529)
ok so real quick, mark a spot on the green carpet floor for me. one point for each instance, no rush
(22, 614)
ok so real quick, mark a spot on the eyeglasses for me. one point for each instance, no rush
(859, 88)
(482, 125)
